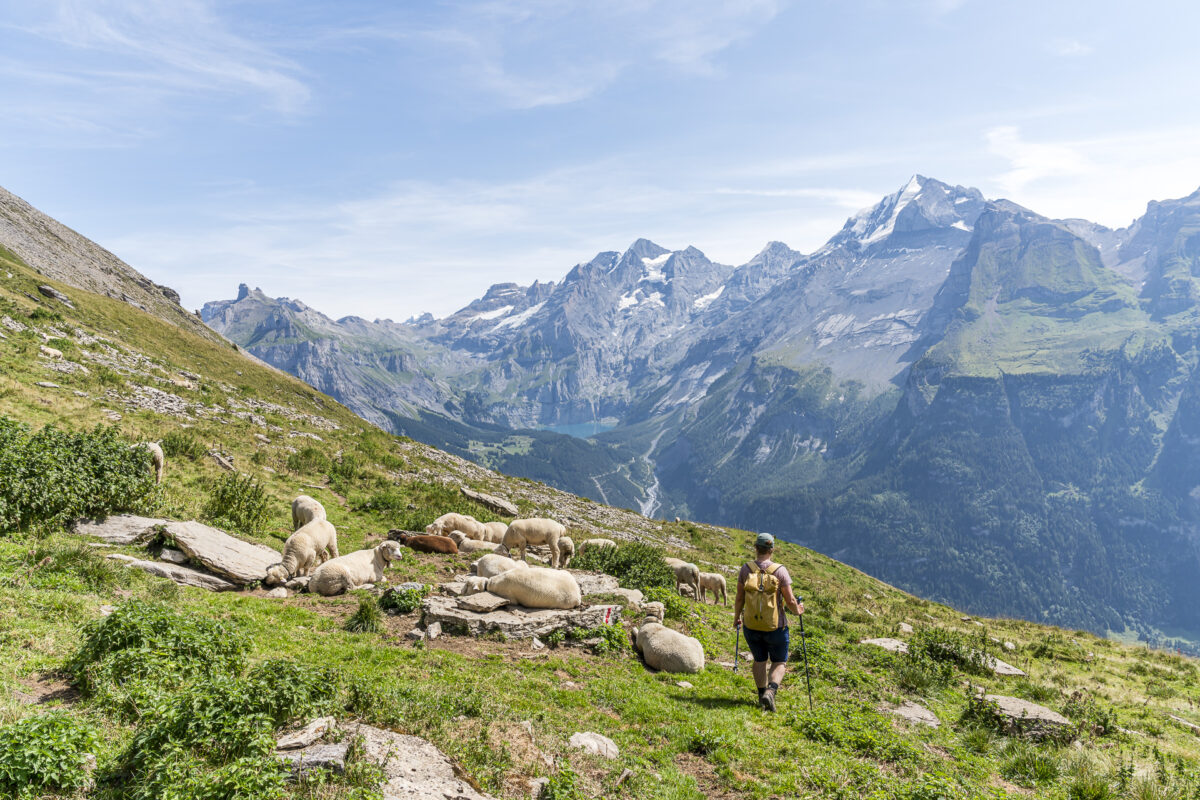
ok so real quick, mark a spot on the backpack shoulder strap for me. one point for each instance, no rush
(753, 567)
(771, 570)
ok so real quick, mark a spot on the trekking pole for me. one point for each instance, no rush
(804, 650)
(737, 644)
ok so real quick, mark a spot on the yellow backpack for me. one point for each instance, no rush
(761, 611)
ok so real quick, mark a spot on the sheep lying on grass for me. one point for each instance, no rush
(714, 583)
(494, 531)
(157, 459)
(424, 544)
(566, 548)
(466, 545)
(446, 523)
(536, 588)
(351, 571)
(309, 546)
(663, 648)
(304, 510)
(524, 532)
(687, 575)
(589, 544)
(493, 564)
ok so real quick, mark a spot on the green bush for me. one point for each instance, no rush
(674, 606)
(47, 753)
(239, 503)
(859, 729)
(53, 476)
(404, 601)
(309, 460)
(368, 618)
(917, 672)
(564, 785)
(635, 565)
(939, 644)
(182, 444)
(704, 742)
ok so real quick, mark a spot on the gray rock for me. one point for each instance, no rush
(491, 502)
(683, 685)
(416, 634)
(913, 712)
(184, 576)
(595, 744)
(119, 528)
(278, 593)
(537, 786)
(318, 756)
(594, 582)
(891, 645)
(227, 556)
(433, 630)
(307, 735)
(905, 628)
(299, 583)
(414, 769)
(1009, 646)
(1028, 719)
(482, 603)
(47, 385)
(1190, 726)
(516, 622)
(634, 596)
(173, 555)
(222, 462)
(106, 610)
(1001, 668)
(55, 294)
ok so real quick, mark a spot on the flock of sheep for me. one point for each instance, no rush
(312, 552)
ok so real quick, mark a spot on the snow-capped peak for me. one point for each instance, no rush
(922, 204)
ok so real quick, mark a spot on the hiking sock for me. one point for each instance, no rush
(773, 686)
(760, 691)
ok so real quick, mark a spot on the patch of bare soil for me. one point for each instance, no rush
(705, 775)
(47, 687)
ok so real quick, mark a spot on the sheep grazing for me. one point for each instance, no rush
(663, 648)
(494, 531)
(714, 583)
(524, 532)
(493, 564)
(351, 571)
(537, 588)
(157, 459)
(311, 545)
(304, 510)
(687, 575)
(446, 523)
(673, 562)
(466, 545)
(424, 544)
(566, 547)
(588, 544)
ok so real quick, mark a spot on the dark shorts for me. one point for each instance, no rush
(768, 644)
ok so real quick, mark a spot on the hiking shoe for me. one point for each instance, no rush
(767, 701)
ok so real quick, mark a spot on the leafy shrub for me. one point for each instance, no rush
(1083, 708)
(53, 476)
(47, 753)
(939, 644)
(917, 672)
(368, 618)
(182, 444)
(239, 503)
(309, 460)
(288, 690)
(404, 601)
(612, 638)
(556, 638)
(674, 606)
(703, 741)
(635, 565)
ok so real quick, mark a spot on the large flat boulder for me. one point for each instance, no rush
(227, 556)
(892, 645)
(1001, 668)
(119, 528)
(912, 712)
(184, 576)
(413, 768)
(1024, 718)
(515, 622)
(594, 582)
(491, 502)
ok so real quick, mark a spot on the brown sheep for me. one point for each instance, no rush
(424, 543)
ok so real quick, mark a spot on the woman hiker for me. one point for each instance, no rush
(764, 588)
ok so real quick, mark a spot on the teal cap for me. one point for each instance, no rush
(765, 540)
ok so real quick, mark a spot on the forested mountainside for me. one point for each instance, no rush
(979, 403)
(122, 685)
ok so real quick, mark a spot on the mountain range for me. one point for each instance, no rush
(968, 399)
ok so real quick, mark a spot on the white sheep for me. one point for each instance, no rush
(589, 544)
(466, 545)
(537, 588)
(350, 571)
(566, 547)
(673, 562)
(493, 564)
(536, 530)
(304, 510)
(687, 575)
(157, 459)
(663, 648)
(446, 523)
(312, 544)
(712, 582)
(494, 531)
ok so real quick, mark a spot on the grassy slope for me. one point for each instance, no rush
(680, 743)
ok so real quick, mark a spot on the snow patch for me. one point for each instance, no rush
(657, 261)
(655, 298)
(702, 303)
(519, 319)
(626, 301)
(962, 226)
(495, 313)
(654, 272)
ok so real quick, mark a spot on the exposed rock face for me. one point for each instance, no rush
(913, 712)
(490, 501)
(184, 576)
(119, 528)
(413, 768)
(237, 560)
(891, 645)
(1021, 717)
(514, 622)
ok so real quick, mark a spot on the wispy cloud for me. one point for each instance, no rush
(1033, 161)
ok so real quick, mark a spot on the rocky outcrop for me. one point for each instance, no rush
(491, 502)
(515, 622)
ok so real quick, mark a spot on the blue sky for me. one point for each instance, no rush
(388, 158)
